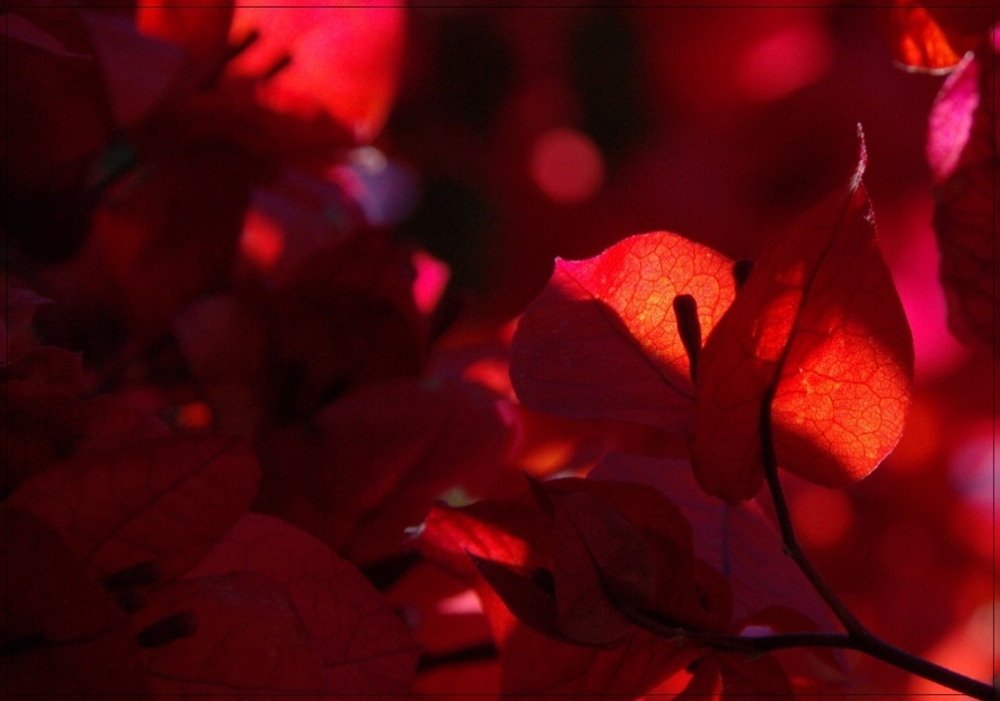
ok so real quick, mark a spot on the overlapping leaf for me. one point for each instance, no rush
(570, 561)
(365, 648)
(815, 355)
(61, 633)
(962, 155)
(166, 500)
(602, 340)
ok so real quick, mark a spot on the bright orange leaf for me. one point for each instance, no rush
(933, 37)
(817, 345)
(602, 340)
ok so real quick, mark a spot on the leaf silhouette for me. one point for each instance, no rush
(961, 153)
(602, 340)
(365, 648)
(736, 539)
(234, 634)
(166, 500)
(817, 345)
(61, 633)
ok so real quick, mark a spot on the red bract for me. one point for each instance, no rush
(573, 561)
(961, 153)
(933, 36)
(44, 418)
(62, 633)
(363, 647)
(815, 349)
(816, 343)
(166, 500)
(602, 340)
(341, 61)
(736, 539)
(236, 634)
(201, 28)
(369, 465)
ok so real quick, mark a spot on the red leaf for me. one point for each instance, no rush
(341, 60)
(518, 536)
(42, 422)
(374, 461)
(597, 555)
(951, 119)
(736, 539)
(167, 500)
(234, 634)
(200, 27)
(963, 130)
(69, 636)
(602, 341)
(816, 342)
(932, 37)
(365, 648)
(138, 72)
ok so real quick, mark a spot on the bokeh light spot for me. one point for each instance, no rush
(779, 64)
(262, 241)
(566, 165)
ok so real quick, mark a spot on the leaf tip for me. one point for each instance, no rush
(859, 170)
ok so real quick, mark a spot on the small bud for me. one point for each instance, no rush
(689, 328)
(741, 271)
(165, 631)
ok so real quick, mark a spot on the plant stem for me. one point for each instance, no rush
(858, 637)
(869, 645)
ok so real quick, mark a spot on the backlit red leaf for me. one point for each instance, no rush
(365, 648)
(343, 61)
(602, 340)
(933, 36)
(513, 532)
(817, 346)
(166, 500)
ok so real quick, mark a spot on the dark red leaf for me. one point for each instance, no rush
(236, 634)
(736, 539)
(166, 500)
(374, 461)
(818, 343)
(62, 633)
(201, 28)
(138, 72)
(602, 340)
(364, 647)
(960, 148)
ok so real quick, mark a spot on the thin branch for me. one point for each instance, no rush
(858, 637)
(792, 547)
